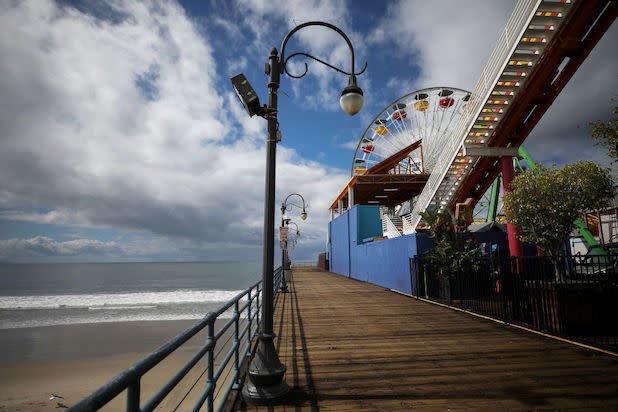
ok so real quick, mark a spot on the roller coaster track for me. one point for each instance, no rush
(541, 47)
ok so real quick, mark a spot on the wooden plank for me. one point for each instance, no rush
(352, 346)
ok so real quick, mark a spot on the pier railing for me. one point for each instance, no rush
(242, 327)
(580, 305)
(303, 263)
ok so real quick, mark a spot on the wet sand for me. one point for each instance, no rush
(74, 360)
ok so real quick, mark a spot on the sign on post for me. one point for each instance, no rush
(283, 233)
(283, 237)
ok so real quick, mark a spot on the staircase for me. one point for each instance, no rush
(392, 226)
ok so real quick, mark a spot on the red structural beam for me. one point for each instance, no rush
(577, 36)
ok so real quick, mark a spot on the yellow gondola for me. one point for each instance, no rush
(360, 170)
(381, 130)
(421, 106)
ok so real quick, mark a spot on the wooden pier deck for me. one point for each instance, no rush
(351, 346)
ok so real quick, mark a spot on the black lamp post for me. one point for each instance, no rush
(284, 257)
(266, 384)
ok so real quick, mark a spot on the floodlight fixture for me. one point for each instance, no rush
(246, 94)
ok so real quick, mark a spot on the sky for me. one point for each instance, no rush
(121, 138)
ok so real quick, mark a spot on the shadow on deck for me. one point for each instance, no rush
(350, 345)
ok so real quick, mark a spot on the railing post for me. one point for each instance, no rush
(133, 396)
(450, 289)
(250, 328)
(460, 279)
(237, 346)
(259, 306)
(210, 381)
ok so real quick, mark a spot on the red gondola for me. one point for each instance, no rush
(446, 102)
(400, 115)
(367, 149)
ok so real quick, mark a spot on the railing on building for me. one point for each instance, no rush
(219, 383)
(389, 226)
(581, 306)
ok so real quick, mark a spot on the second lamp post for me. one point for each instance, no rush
(284, 249)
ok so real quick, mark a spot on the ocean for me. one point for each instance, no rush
(63, 294)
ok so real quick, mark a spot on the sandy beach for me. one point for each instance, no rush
(74, 360)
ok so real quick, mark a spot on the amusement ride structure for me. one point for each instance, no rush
(443, 147)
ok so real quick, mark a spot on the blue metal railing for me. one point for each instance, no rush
(245, 330)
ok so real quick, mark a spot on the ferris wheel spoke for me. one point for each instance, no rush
(421, 121)
(404, 125)
(396, 136)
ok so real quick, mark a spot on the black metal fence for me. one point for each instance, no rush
(229, 348)
(579, 302)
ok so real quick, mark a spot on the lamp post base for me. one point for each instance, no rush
(265, 385)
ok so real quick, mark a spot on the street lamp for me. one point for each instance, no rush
(266, 384)
(297, 230)
(284, 259)
(293, 245)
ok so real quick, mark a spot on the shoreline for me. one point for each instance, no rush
(86, 341)
(74, 360)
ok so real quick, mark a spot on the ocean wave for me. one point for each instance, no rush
(31, 323)
(116, 300)
(122, 307)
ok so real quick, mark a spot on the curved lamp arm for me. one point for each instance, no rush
(285, 202)
(297, 229)
(352, 99)
(284, 65)
(324, 24)
(284, 205)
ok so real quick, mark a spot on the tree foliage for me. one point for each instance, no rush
(606, 134)
(545, 202)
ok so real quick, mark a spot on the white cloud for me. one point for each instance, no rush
(400, 84)
(563, 134)
(350, 144)
(41, 247)
(449, 41)
(118, 124)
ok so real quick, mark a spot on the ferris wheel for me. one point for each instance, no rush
(427, 115)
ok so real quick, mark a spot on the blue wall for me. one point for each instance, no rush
(385, 262)
(339, 245)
